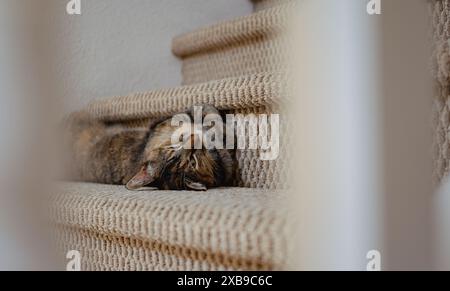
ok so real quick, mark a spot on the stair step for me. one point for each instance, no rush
(254, 94)
(252, 91)
(246, 45)
(222, 229)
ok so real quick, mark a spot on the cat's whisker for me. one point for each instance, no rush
(176, 147)
(196, 161)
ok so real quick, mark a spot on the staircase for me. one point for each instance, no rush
(237, 66)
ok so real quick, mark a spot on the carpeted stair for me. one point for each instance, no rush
(236, 66)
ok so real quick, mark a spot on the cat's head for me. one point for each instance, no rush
(169, 165)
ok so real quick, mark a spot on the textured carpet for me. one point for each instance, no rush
(237, 66)
(221, 229)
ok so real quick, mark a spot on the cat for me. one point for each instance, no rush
(136, 158)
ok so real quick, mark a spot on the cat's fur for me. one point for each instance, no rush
(140, 158)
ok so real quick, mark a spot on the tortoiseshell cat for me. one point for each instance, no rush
(141, 158)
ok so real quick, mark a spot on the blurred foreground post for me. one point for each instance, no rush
(26, 107)
(362, 109)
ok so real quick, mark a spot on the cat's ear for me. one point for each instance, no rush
(144, 177)
(196, 186)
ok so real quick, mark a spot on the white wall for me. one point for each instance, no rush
(116, 47)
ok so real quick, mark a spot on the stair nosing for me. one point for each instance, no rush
(262, 23)
(248, 91)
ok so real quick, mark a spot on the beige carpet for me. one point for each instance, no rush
(222, 229)
(237, 66)
(243, 95)
(247, 45)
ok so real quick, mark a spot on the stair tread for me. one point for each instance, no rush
(259, 24)
(232, 93)
(239, 221)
